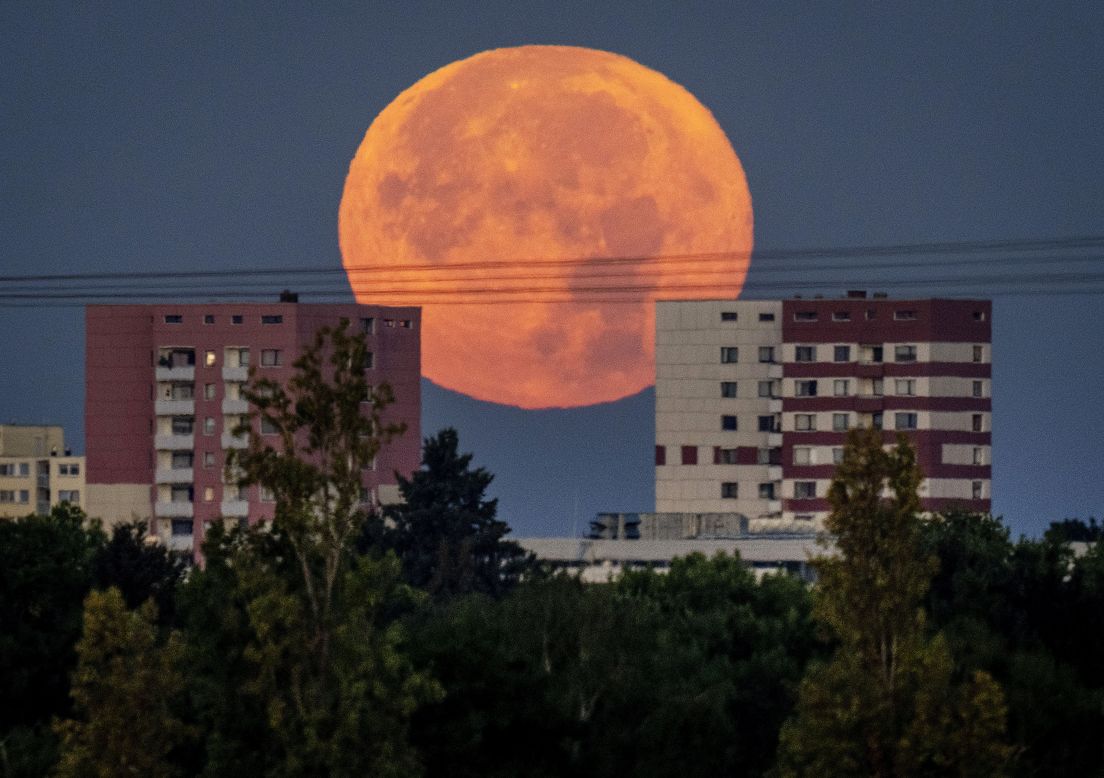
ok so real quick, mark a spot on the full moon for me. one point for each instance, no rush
(536, 201)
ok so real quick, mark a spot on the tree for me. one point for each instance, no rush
(322, 654)
(886, 703)
(446, 533)
(125, 688)
(140, 570)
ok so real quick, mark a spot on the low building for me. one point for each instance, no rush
(37, 472)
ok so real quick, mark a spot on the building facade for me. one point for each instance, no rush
(37, 472)
(164, 394)
(754, 399)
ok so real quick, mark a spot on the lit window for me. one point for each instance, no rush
(904, 315)
(805, 388)
(841, 316)
(805, 354)
(841, 354)
(728, 315)
(689, 455)
(841, 387)
(728, 423)
(805, 315)
(174, 318)
(270, 357)
(728, 388)
(766, 491)
(804, 490)
(208, 494)
(905, 421)
(805, 422)
(730, 490)
(729, 354)
(904, 353)
(766, 317)
(802, 455)
(209, 426)
(209, 359)
(905, 386)
(841, 421)
(270, 319)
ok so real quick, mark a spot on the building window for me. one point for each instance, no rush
(904, 315)
(766, 317)
(208, 391)
(689, 455)
(271, 319)
(805, 315)
(979, 455)
(25, 469)
(181, 494)
(977, 388)
(841, 316)
(208, 458)
(729, 354)
(871, 314)
(841, 421)
(270, 357)
(975, 422)
(805, 354)
(871, 353)
(209, 359)
(805, 422)
(837, 455)
(726, 456)
(876, 420)
(802, 455)
(979, 315)
(181, 527)
(7, 495)
(766, 354)
(268, 426)
(266, 494)
(368, 325)
(24, 497)
(660, 455)
(728, 388)
(978, 353)
(69, 469)
(804, 490)
(805, 388)
(905, 386)
(766, 491)
(904, 353)
(242, 355)
(174, 318)
(728, 315)
(369, 360)
(7, 470)
(841, 354)
(208, 494)
(877, 386)
(905, 421)
(766, 388)
(976, 489)
(730, 490)
(236, 319)
(208, 318)
(841, 387)
(765, 456)
(183, 425)
(209, 426)
(728, 423)
(768, 423)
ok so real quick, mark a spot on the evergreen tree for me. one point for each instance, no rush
(446, 533)
(886, 703)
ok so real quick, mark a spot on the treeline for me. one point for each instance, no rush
(335, 642)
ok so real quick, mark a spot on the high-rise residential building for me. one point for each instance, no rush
(37, 472)
(164, 394)
(754, 399)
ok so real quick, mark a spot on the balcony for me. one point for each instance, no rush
(234, 508)
(869, 403)
(239, 374)
(174, 510)
(870, 369)
(181, 543)
(174, 475)
(230, 440)
(235, 407)
(181, 373)
(174, 407)
(174, 442)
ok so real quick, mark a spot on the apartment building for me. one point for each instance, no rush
(754, 399)
(37, 471)
(164, 394)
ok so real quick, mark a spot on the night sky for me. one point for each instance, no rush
(213, 135)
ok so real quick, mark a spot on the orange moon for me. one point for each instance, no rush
(536, 201)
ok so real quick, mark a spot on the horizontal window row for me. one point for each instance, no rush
(15, 469)
(867, 354)
(232, 357)
(727, 316)
(721, 456)
(899, 314)
(235, 318)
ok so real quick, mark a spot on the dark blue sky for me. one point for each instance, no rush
(209, 135)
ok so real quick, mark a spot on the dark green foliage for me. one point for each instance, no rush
(446, 533)
(139, 570)
(1074, 531)
(45, 574)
